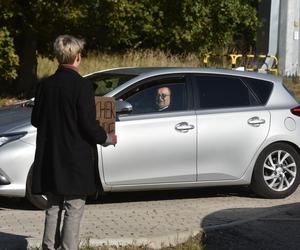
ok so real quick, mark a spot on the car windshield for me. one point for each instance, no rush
(106, 82)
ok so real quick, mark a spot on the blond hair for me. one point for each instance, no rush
(66, 48)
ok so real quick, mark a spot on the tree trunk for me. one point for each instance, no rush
(27, 74)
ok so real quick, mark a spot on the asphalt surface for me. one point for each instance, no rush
(277, 231)
(232, 218)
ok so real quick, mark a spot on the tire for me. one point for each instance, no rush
(38, 201)
(276, 172)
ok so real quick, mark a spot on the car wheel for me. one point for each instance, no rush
(276, 172)
(39, 201)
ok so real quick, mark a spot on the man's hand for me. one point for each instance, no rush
(113, 138)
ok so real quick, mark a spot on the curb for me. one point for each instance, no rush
(155, 242)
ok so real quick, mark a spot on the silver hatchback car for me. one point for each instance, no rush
(178, 128)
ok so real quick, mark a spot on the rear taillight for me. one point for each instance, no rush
(296, 111)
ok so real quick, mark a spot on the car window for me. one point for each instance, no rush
(262, 89)
(223, 92)
(105, 82)
(167, 95)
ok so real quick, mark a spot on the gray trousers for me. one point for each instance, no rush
(68, 237)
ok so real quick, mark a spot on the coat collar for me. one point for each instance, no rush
(68, 67)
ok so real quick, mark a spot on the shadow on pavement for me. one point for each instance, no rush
(15, 203)
(120, 197)
(192, 193)
(260, 228)
(13, 241)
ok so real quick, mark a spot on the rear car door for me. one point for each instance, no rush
(232, 124)
(153, 146)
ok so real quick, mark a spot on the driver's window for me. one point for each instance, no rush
(165, 95)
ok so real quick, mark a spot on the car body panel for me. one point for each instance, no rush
(16, 160)
(227, 143)
(151, 150)
(277, 133)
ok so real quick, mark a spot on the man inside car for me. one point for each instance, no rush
(163, 98)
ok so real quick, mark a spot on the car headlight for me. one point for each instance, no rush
(6, 138)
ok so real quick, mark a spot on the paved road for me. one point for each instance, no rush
(277, 231)
(145, 217)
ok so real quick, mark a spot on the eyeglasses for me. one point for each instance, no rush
(162, 96)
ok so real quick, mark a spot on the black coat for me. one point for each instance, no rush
(67, 133)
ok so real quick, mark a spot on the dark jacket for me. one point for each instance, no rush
(67, 133)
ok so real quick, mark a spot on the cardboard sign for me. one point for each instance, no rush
(106, 113)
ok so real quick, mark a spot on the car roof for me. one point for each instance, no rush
(141, 71)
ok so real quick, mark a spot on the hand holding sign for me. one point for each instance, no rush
(106, 115)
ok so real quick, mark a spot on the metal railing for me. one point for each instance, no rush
(250, 62)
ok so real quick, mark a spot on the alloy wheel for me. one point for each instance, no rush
(279, 170)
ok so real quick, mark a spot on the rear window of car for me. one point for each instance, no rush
(262, 89)
(223, 92)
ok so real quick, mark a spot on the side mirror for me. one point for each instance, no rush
(123, 107)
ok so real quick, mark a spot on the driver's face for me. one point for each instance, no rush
(163, 97)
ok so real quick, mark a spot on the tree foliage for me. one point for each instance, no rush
(175, 25)
(33, 24)
(115, 25)
(9, 61)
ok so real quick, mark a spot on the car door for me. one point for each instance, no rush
(231, 124)
(153, 146)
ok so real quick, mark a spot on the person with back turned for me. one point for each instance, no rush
(65, 165)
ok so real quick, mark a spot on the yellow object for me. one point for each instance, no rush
(234, 57)
(205, 60)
